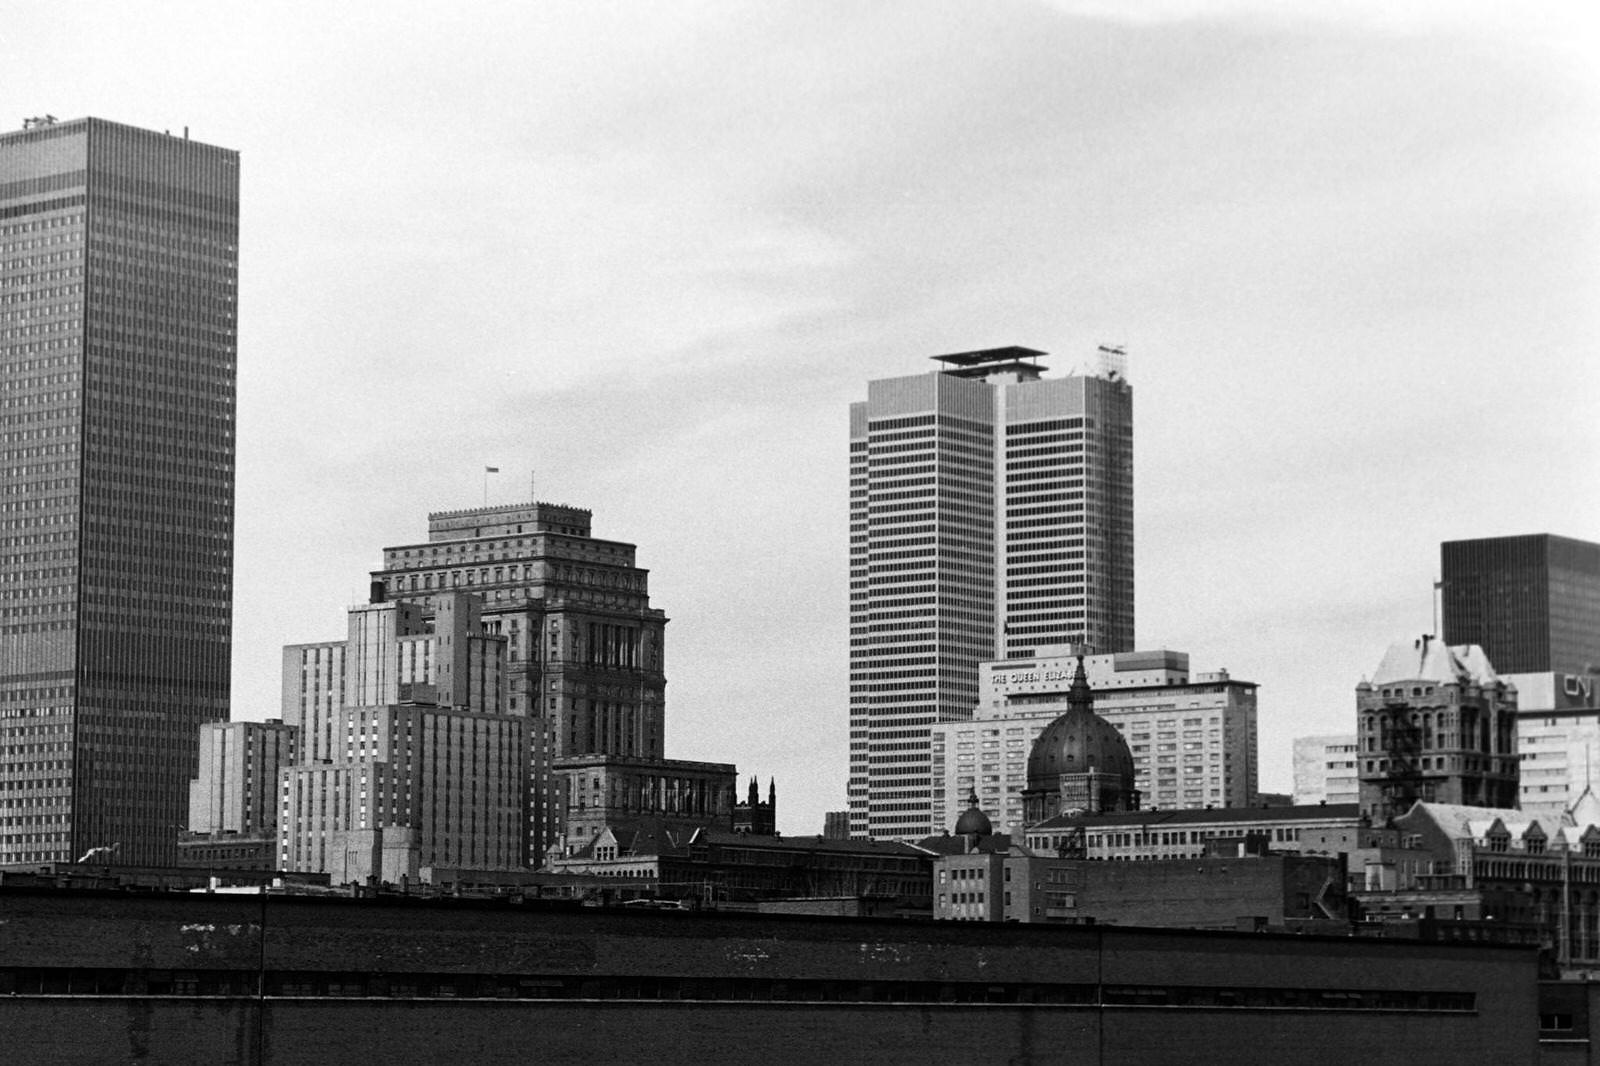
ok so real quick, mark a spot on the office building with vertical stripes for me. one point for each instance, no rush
(991, 513)
(118, 301)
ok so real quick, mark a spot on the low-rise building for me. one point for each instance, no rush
(718, 867)
(1330, 829)
(597, 792)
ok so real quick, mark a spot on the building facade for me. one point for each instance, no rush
(1558, 741)
(119, 260)
(1436, 724)
(584, 649)
(597, 791)
(1532, 603)
(1192, 736)
(1326, 770)
(236, 789)
(1208, 892)
(1140, 836)
(991, 513)
(420, 765)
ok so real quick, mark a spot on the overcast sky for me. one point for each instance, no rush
(652, 252)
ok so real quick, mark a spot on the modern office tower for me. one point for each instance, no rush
(584, 646)
(991, 513)
(422, 766)
(1532, 603)
(1192, 736)
(118, 282)
(1436, 724)
(1326, 770)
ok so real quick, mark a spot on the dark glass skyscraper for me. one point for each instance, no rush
(1531, 602)
(118, 287)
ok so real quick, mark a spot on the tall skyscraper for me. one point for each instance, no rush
(1532, 602)
(991, 513)
(118, 255)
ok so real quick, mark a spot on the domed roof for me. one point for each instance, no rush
(973, 822)
(1077, 742)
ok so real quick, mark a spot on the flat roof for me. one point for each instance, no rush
(989, 355)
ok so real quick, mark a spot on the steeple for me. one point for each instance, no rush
(1079, 697)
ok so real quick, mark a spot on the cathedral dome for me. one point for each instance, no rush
(1077, 742)
(973, 822)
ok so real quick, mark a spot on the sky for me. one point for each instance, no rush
(641, 257)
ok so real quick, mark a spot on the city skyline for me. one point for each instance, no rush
(652, 257)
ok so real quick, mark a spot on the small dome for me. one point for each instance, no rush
(1077, 742)
(973, 822)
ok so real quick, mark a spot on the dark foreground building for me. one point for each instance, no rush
(118, 282)
(106, 976)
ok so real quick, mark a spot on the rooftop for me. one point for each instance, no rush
(985, 361)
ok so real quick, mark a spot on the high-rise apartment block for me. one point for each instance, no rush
(1531, 602)
(991, 513)
(1192, 736)
(118, 285)
(1435, 723)
(584, 648)
(419, 765)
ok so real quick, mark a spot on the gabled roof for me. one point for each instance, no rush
(1460, 822)
(1429, 660)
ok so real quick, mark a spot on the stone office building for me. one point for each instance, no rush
(585, 650)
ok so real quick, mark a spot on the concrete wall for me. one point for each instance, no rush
(299, 943)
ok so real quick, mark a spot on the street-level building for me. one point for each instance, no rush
(118, 345)
(991, 513)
